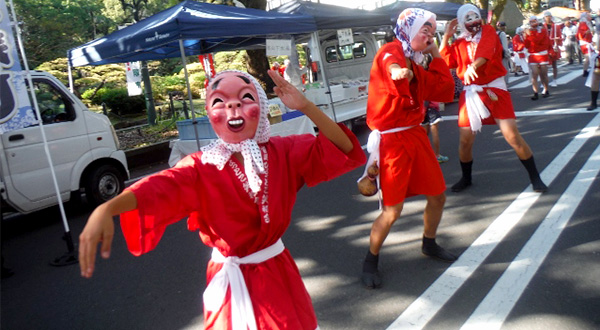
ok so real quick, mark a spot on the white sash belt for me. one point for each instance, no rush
(373, 150)
(544, 52)
(475, 107)
(242, 313)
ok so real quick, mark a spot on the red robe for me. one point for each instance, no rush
(408, 165)
(220, 206)
(585, 36)
(555, 35)
(489, 47)
(518, 45)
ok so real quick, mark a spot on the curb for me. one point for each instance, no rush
(144, 156)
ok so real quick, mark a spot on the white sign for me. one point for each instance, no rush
(345, 37)
(134, 78)
(279, 47)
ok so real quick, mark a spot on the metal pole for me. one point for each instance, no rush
(69, 258)
(187, 82)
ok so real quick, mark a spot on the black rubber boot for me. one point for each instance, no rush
(465, 180)
(593, 103)
(534, 175)
(431, 249)
(370, 275)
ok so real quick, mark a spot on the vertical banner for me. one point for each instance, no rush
(208, 65)
(15, 107)
(134, 78)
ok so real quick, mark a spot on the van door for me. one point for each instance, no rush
(24, 150)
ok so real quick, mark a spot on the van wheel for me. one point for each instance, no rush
(103, 183)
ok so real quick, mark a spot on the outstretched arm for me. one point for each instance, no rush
(100, 227)
(294, 99)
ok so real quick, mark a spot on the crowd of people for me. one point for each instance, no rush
(542, 43)
(239, 191)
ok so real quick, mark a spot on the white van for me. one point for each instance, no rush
(83, 146)
(347, 71)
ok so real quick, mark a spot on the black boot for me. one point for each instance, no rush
(535, 96)
(431, 249)
(370, 275)
(593, 104)
(534, 176)
(465, 180)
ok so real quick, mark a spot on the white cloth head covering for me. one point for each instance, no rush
(461, 15)
(408, 25)
(218, 152)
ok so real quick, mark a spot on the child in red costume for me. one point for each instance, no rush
(397, 88)
(238, 192)
(477, 55)
(538, 45)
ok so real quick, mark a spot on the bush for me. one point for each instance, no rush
(119, 101)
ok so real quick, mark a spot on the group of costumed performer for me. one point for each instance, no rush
(238, 192)
(520, 52)
(398, 145)
(477, 57)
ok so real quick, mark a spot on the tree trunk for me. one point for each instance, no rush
(258, 64)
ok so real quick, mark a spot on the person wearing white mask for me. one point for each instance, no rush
(477, 57)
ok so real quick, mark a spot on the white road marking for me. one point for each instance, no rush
(424, 308)
(564, 79)
(495, 307)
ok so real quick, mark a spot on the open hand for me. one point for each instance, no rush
(289, 95)
(99, 228)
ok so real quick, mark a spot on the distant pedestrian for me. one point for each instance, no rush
(501, 26)
(585, 35)
(569, 36)
(477, 55)
(520, 53)
(555, 35)
(430, 123)
(538, 44)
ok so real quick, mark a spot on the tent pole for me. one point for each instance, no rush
(69, 258)
(187, 82)
(315, 37)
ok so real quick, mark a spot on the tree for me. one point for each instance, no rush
(257, 61)
(51, 27)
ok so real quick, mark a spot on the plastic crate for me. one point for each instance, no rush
(203, 127)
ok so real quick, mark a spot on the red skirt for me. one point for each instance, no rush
(499, 109)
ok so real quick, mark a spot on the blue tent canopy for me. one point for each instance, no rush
(202, 28)
(335, 17)
(444, 11)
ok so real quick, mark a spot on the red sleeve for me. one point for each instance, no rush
(440, 80)
(162, 199)
(390, 55)
(488, 44)
(448, 54)
(320, 160)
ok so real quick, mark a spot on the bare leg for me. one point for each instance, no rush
(435, 139)
(534, 69)
(433, 214)
(544, 77)
(513, 137)
(382, 225)
(509, 130)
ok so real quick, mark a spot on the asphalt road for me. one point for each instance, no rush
(528, 260)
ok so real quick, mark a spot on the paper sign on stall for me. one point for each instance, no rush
(279, 47)
(345, 37)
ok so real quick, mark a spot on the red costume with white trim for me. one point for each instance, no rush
(537, 43)
(408, 165)
(585, 36)
(461, 54)
(555, 35)
(231, 218)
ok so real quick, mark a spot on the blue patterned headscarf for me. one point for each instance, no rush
(408, 25)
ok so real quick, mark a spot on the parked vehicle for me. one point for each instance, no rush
(83, 146)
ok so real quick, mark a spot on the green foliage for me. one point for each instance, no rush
(119, 101)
